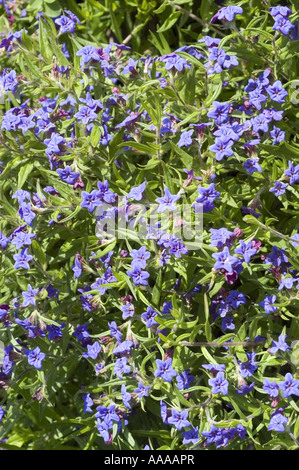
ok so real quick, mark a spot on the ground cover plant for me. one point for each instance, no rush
(116, 111)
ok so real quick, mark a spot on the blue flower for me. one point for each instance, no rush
(142, 390)
(93, 350)
(277, 135)
(174, 62)
(35, 357)
(224, 260)
(207, 197)
(279, 345)
(184, 380)
(179, 419)
(164, 370)
(123, 348)
(121, 367)
(185, 139)
(128, 310)
(277, 421)
(77, 268)
(267, 304)
(246, 250)
(222, 148)
(140, 257)
(126, 397)
(191, 436)
(88, 402)
(29, 296)
(22, 259)
(137, 192)
(219, 384)
(139, 276)
(219, 113)
(227, 13)
(277, 92)
(149, 317)
(236, 298)
(289, 386)
(293, 173)
(167, 202)
(2, 413)
(271, 388)
(252, 165)
(66, 24)
(282, 25)
(67, 175)
(248, 368)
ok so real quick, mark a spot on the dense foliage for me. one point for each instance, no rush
(153, 341)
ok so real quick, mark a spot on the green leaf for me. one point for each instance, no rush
(169, 22)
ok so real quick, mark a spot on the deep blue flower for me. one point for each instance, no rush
(248, 368)
(81, 332)
(55, 333)
(227, 323)
(67, 175)
(191, 436)
(236, 298)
